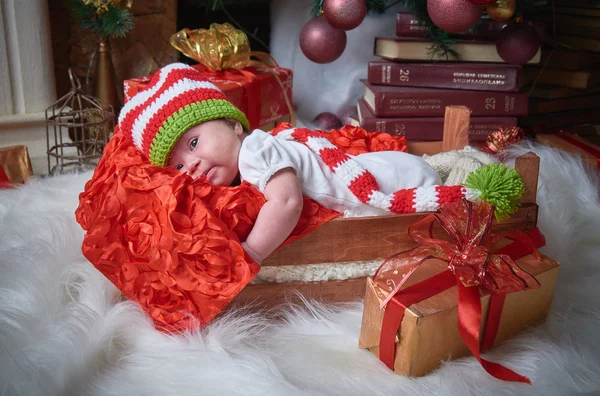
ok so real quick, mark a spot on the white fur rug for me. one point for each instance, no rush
(65, 331)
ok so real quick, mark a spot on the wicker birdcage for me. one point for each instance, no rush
(78, 127)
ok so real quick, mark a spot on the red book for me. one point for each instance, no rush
(579, 3)
(419, 49)
(408, 25)
(470, 76)
(428, 128)
(387, 101)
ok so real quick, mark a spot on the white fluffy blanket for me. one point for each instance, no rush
(64, 329)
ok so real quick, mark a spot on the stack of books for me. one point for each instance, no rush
(565, 87)
(406, 92)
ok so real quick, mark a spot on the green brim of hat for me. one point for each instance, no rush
(186, 118)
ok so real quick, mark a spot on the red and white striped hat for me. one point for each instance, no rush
(177, 98)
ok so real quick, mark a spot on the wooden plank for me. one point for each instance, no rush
(528, 166)
(371, 238)
(368, 238)
(456, 128)
(271, 295)
(429, 148)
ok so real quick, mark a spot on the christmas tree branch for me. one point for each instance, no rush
(106, 21)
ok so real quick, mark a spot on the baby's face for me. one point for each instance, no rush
(210, 149)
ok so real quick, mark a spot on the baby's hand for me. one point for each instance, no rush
(255, 256)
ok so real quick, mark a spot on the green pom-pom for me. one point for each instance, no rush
(499, 185)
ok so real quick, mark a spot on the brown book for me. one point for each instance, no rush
(567, 19)
(563, 78)
(555, 105)
(571, 11)
(590, 132)
(408, 25)
(582, 43)
(578, 3)
(386, 101)
(470, 76)
(415, 49)
(555, 121)
(427, 128)
(576, 31)
(569, 59)
(549, 92)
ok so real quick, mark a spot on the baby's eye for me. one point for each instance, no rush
(193, 143)
(179, 167)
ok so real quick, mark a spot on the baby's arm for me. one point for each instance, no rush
(278, 216)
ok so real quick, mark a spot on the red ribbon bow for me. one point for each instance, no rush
(471, 265)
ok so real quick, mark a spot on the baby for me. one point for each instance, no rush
(185, 122)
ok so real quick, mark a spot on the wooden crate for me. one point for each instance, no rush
(368, 238)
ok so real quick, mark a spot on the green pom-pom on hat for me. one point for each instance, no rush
(499, 185)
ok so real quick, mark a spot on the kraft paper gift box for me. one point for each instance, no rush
(429, 331)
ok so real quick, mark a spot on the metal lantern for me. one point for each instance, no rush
(78, 127)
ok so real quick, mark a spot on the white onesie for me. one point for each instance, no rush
(262, 155)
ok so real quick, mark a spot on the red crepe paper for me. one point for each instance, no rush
(4, 180)
(171, 243)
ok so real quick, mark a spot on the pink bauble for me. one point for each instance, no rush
(454, 16)
(320, 42)
(518, 43)
(327, 121)
(345, 14)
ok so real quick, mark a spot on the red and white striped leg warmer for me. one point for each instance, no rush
(364, 186)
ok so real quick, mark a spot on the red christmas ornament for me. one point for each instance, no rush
(502, 10)
(454, 16)
(345, 14)
(320, 42)
(327, 121)
(518, 43)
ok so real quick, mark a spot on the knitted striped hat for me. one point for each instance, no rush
(177, 98)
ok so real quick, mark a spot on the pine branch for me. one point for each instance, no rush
(116, 22)
(443, 43)
(316, 8)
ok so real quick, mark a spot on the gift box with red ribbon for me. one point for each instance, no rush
(255, 91)
(15, 165)
(457, 294)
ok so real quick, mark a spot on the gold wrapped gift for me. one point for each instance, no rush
(222, 47)
(15, 163)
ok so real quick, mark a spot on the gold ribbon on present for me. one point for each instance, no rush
(222, 47)
(15, 163)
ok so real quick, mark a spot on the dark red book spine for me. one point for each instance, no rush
(432, 103)
(432, 128)
(502, 78)
(407, 25)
